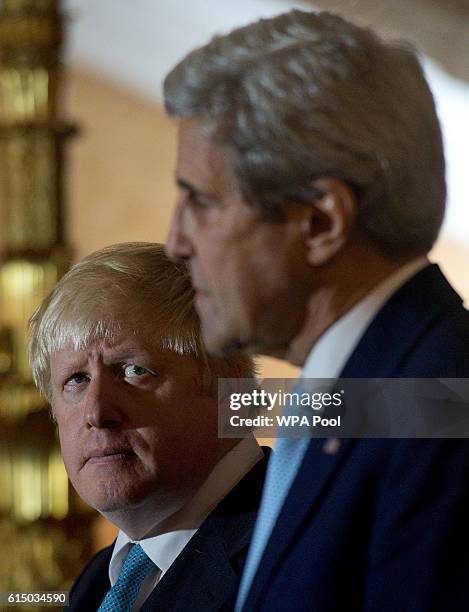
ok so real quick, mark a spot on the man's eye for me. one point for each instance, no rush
(76, 379)
(195, 200)
(133, 371)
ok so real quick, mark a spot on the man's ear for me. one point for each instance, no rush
(328, 221)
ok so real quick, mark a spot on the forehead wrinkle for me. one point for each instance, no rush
(65, 360)
(119, 354)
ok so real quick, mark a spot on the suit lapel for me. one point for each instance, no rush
(406, 316)
(317, 469)
(205, 575)
(201, 578)
(400, 323)
(92, 584)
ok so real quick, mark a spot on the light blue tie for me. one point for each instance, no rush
(121, 597)
(281, 471)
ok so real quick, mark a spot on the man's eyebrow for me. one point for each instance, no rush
(69, 366)
(186, 186)
(123, 354)
(183, 184)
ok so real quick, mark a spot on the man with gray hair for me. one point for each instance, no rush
(116, 348)
(311, 175)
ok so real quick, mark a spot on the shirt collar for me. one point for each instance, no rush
(333, 349)
(164, 548)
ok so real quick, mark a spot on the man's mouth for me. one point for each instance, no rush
(109, 455)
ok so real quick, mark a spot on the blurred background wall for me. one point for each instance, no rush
(121, 172)
(119, 179)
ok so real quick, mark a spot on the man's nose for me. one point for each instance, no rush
(102, 406)
(178, 242)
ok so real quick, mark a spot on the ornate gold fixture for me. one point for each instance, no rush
(43, 529)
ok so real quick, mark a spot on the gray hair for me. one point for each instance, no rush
(308, 95)
(135, 284)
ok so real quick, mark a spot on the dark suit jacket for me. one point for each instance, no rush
(382, 525)
(205, 574)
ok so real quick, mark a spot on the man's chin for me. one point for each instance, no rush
(111, 505)
(109, 501)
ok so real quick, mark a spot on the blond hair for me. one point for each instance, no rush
(134, 283)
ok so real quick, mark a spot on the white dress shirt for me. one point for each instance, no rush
(164, 548)
(333, 349)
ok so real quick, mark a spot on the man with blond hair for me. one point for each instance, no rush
(116, 349)
(312, 187)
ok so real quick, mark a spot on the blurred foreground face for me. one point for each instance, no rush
(250, 274)
(134, 424)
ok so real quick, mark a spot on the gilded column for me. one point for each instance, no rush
(43, 529)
